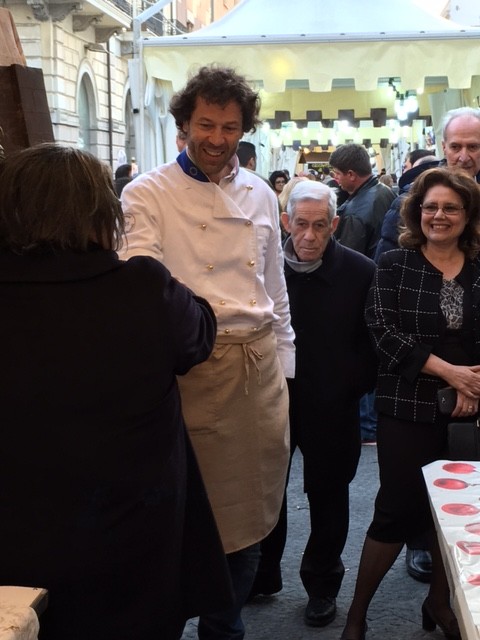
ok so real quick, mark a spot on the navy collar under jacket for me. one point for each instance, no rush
(409, 176)
(326, 271)
(56, 265)
(190, 168)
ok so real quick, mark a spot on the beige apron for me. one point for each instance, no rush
(236, 409)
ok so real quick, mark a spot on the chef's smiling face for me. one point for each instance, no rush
(213, 133)
(310, 228)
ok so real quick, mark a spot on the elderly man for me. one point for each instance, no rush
(461, 140)
(335, 364)
(215, 226)
(361, 218)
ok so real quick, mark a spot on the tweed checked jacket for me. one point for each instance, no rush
(402, 313)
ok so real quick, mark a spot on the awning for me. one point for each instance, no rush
(360, 41)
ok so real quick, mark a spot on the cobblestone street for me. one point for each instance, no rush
(395, 610)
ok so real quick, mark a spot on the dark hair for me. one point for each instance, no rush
(416, 154)
(123, 171)
(275, 175)
(464, 185)
(217, 85)
(351, 157)
(246, 151)
(58, 196)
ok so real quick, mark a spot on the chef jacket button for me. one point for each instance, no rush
(253, 302)
(210, 267)
(203, 227)
(222, 302)
(226, 331)
(251, 263)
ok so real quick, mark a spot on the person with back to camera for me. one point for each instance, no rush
(101, 499)
(423, 313)
(123, 175)
(247, 155)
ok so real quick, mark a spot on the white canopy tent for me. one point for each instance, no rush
(343, 42)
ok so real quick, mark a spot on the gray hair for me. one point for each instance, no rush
(310, 190)
(457, 113)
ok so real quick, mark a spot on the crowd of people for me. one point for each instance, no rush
(169, 351)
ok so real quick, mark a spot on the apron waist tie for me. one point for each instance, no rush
(250, 354)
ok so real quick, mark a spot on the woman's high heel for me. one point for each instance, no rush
(430, 622)
(361, 637)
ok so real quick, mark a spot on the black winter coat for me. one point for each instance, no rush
(101, 499)
(361, 216)
(335, 362)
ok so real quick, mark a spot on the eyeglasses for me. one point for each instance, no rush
(448, 209)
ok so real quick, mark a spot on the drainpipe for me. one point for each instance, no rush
(109, 104)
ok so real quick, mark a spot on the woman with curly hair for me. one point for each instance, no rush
(423, 312)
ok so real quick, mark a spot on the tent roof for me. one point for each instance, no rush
(362, 41)
(267, 20)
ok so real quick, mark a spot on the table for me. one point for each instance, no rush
(454, 492)
(19, 611)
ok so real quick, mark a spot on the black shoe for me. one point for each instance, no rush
(320, 611)
(266, 583)
(419, 564)
(430, 622)
(363, 635)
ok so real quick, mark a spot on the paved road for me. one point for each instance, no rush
(395, 610)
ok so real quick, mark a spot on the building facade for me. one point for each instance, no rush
(83, 48)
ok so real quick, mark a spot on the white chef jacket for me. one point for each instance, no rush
(222, 241)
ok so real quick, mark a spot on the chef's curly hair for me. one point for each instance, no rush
(217, 85)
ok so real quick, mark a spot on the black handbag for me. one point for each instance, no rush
(464, 440)
(447, 399)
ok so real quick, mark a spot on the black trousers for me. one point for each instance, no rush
(321, 569)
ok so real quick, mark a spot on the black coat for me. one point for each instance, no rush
(101, 500)
(335, 362)
(403, 315)
(361, 216)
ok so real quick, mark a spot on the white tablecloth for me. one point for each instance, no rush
(454, 490)
(18, 623)
(18, 618)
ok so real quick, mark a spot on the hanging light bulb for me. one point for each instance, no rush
(411, 102)
(400, 107)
